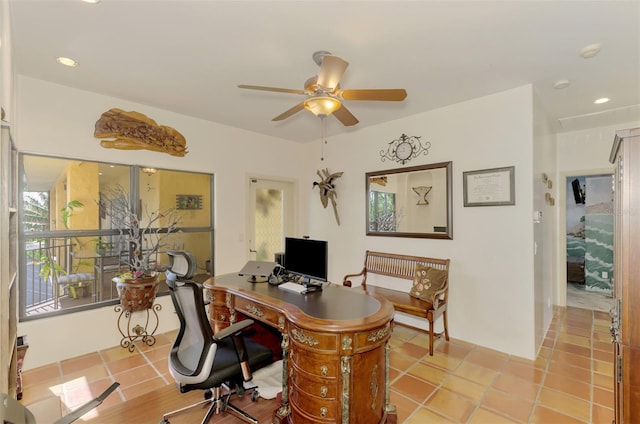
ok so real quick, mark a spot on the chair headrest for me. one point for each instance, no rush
(182, 263)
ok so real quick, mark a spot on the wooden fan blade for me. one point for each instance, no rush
(390, 94)
(343, 115)
(276, 89)
(331, 71)
(297, 108)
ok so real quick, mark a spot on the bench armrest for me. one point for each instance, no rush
(440, 296)
(346, 281)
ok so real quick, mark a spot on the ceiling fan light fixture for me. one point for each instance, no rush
(322, 105)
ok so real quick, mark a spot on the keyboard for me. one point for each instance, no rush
(293, 287)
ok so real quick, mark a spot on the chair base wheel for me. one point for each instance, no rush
(255, 395)
(164, 421)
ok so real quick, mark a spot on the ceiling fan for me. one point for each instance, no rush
(324, 94)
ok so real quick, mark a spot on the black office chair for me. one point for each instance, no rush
(202, 360)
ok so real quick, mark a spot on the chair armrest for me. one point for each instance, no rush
(346, 281)
(232, 329)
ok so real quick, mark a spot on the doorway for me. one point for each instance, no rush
(589, 241)
(271, 217)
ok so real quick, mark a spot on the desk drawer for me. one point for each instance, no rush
(318, 408)
(259, 312)
(312, 340)
(320, 365)
(324, 388)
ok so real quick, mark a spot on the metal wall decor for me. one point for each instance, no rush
(328, 189)
(405, 148)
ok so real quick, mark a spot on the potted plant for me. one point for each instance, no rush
(137, 283)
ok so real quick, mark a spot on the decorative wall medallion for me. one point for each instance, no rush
(405, 148)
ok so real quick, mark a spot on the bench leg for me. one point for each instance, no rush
(431, 337)
(446, 327)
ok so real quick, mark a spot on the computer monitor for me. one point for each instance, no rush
(307, 258)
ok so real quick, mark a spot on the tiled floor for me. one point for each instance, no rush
(570, 382)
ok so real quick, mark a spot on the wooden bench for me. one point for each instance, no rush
(403, 266)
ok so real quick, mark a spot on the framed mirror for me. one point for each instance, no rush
(410, 202)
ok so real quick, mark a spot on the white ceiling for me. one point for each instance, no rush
(189, 56)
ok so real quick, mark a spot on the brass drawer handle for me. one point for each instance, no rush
(323, 412)
(324, 370)
(323, 391)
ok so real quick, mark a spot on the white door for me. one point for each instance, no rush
(270, 217)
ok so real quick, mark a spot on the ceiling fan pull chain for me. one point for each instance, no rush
(323, 135)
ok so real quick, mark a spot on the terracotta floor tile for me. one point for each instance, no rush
(602, 367)
(145, 387)
(600, 380)
(542, 415)
(400, 361)
(413, 351)
(571, 348)
(565, 404)
(135, 376)
(160, 352)
(603, 397)
(575, 340)
(602, 415)
(393, 373)
(487, 359)
(69, 366)
(569, 371)
(473, 372)
(466, 388)
(573, 359)
(127, 363)
(42, 374)
(456, 348)
(424, 415)
(575, 388)
(442, 360)
(509, 405)
(117, 352)
(403, 333)
(93, 373)
(404, 405)
(601, 355)
(525, 389)
(483, 416)
(525, 372)
(428, 373)
(604, 346)
(413, 388)
(451, 405)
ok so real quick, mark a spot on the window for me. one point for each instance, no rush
(382, 208)
(68, 229)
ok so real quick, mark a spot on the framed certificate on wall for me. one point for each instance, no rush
(489, 187)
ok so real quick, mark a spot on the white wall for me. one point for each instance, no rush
(544, 228)
(491, 274)
(57, 120)
(584, 152)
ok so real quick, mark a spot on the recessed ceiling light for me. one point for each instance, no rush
(67, 61)
(601, 100)
(561, 84)
(91, 1)
(590, 51)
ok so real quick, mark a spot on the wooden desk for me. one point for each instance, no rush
(334, 342)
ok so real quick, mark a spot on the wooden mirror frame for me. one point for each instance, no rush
(442, 192)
